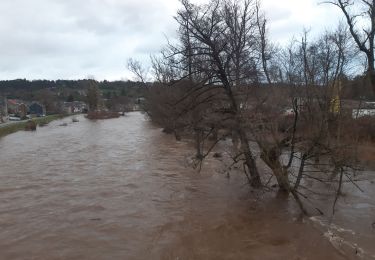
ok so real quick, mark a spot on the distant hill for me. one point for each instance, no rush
(49, 92)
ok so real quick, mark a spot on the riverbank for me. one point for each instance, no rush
(20, 126)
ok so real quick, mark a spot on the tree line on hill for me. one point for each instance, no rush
(114, 95)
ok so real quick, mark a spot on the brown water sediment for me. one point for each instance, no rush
(121, 189)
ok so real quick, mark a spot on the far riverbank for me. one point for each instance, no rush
(15, 126)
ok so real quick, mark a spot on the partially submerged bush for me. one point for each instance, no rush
(30, 126)
(102, 115)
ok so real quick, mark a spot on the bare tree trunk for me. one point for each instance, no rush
(215, 135)
(371, 72)
(272, 158)
(300, 171)
(198, 143)
(249, 160)
(235, 140)
(305, 61)
(262, 28)
(255, 180)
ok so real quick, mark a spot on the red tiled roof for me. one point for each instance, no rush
(13, 101)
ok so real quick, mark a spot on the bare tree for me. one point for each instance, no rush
(316, 139)
(219, 46)
(162, 69)
(138, 70)
(211, 84)
(264, 47)
(363, 36)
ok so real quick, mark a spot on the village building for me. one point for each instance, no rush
(74, 107)
(37, 109)
(363, 109)
(17, 107)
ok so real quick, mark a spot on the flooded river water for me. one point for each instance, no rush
(121, 189)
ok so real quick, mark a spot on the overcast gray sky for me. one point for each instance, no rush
(72, 39)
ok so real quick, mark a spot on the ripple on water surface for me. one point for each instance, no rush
(121, 189)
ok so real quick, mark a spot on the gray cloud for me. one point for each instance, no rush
(72, 39)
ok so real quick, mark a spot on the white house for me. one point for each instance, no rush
(357, 113)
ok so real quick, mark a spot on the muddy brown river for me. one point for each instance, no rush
(121, 189)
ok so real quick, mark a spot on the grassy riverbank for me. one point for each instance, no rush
(19, 126)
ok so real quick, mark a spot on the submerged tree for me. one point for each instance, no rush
(219, 46)
(93, 95)
(220, 80)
